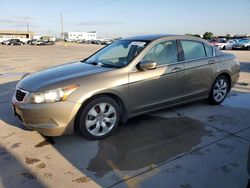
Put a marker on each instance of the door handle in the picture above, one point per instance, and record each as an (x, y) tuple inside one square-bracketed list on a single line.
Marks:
[(211, 62), (176, 69)]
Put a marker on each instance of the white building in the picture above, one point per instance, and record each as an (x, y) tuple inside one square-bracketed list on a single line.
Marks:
[(79, 36)]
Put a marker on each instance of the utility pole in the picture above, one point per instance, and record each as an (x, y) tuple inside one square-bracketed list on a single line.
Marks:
[(62, 37), (28, 29)]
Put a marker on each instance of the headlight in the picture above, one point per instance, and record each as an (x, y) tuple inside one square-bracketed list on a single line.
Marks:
[(54, 95)]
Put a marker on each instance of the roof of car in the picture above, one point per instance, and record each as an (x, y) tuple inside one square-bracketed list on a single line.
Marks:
[(148, 37)]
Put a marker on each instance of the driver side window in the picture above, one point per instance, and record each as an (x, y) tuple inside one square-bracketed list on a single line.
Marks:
[(162, 53)]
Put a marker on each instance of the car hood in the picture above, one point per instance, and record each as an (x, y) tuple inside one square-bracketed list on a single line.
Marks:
[(36, 81)]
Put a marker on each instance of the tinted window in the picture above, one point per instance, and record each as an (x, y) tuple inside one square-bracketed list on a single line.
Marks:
[(163, 53), (209, 50), (193, 50)]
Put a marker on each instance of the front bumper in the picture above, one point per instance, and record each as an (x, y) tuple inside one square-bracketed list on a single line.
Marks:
[(49, 119), (240, 47)]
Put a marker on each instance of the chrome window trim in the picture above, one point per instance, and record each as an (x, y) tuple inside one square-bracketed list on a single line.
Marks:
[(196, 59)]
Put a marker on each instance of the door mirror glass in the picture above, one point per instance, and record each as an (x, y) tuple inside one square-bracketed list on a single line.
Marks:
[(146, 65)]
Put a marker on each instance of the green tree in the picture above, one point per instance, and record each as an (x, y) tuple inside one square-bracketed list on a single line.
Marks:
[(208, 35), (228, 36)]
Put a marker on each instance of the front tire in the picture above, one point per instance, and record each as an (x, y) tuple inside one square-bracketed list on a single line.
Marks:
[(219, 90), (99, 118)]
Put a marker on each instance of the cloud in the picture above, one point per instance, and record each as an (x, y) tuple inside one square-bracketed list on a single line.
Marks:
[(96, 23), (24, 25), (16, 19), (126, 12), (10, 21), (27, 18), (94, 6)]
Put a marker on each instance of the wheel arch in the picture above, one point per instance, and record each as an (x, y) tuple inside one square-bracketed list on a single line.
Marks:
[(227, 75), (229, 79), (122, 107)]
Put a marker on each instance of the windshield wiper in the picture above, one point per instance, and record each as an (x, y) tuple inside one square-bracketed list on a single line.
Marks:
[(100, 63), (110, 65), (84, 60)]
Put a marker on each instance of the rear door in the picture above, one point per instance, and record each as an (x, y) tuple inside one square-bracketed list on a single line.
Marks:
[(198, 71)]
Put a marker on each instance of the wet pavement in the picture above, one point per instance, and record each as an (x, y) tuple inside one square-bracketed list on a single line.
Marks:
[(191, 146)]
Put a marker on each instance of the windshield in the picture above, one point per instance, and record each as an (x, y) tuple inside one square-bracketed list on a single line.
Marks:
[(118, 54), (222, 41), (244, 41)]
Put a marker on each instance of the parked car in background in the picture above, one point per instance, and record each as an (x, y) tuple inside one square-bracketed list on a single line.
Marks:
[(85, 42), (95, 42), (223, 44), (127, 78), (243, 44), (213, 41), (48, 42), (44, 43), (13, 42), (32, 41), (5, 42)]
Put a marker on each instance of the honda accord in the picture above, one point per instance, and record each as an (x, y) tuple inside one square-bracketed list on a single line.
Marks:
[(127, 78)]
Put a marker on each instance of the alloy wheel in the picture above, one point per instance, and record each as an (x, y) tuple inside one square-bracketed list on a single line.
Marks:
[(220, 90), (100, 119)]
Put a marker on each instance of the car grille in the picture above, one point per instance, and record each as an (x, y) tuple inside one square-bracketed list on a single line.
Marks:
[(20, 95)]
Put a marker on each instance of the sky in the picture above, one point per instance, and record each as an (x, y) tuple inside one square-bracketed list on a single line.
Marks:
[(121, 18)]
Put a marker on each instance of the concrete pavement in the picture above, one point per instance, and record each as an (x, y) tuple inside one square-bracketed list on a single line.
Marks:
[(196, 145)]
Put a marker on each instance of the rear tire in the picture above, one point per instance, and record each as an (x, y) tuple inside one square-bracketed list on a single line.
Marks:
[(219, 90), (99, 118)]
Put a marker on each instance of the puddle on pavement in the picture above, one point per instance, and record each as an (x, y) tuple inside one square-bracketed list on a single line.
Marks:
[(145, 141), (12, 74)]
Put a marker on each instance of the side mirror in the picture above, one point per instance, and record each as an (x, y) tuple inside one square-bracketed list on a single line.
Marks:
[(146, 65)]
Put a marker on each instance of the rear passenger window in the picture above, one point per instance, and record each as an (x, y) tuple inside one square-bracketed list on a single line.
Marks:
[(209, 50), (193, 50)]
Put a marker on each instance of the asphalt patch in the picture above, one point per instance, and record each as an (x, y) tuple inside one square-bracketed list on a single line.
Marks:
[(16, 145), (29, 176), (31, 161), (83, 179), (43, 143)]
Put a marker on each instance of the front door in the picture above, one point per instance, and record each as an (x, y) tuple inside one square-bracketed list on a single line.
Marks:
[(152, 89)]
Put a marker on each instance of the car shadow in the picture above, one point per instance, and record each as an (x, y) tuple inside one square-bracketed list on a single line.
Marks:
[(244, 66), (14, 174), (143, 142)]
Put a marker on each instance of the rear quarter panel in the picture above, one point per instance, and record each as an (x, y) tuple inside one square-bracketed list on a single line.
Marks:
[(226, 63)]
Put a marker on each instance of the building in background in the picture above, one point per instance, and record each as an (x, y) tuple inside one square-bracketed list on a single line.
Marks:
[(79, 36), (10, 34)]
